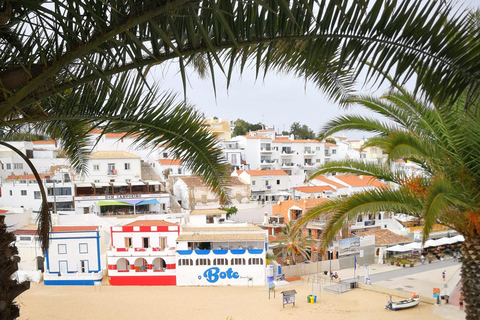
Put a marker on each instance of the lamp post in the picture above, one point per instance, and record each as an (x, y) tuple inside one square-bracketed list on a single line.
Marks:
[(330, 257)]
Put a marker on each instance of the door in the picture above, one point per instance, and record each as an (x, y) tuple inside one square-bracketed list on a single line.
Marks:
[(84, 266), (63, 266)]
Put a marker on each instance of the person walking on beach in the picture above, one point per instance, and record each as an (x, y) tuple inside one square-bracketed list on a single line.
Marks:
[(443, 274), (460, 302)]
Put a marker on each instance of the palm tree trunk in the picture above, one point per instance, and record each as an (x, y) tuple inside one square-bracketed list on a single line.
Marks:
[(471, 276), (9, 288)]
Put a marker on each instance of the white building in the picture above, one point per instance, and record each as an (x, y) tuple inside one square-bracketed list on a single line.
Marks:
[(32, 260), (73, 257), (213, 252), (266, 185)]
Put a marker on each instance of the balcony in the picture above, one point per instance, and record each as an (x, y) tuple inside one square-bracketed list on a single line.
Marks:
[(308, 152), (112, 172), (287, 151), (309, 164), (287, 164), (267, 161), (265, 150)]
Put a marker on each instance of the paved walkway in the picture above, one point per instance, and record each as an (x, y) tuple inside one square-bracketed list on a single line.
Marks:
[(420, 279)]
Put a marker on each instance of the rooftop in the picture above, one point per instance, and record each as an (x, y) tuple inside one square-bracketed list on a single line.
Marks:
[(361, 181), (74, 228), (266, 172), (385, 237), (215, 237), (170, 162), (200, 212), (116, 154), (152, 223), (314, 189)]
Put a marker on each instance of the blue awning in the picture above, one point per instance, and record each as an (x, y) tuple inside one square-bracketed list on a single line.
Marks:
[(151, 201)]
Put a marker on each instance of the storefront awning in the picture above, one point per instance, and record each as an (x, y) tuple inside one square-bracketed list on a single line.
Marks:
[(137, 183), (151, 201), (113, 203), (84, 185), (119, 184), (153, 183), (101, 184)]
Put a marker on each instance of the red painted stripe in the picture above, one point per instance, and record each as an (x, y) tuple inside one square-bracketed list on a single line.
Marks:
[(171, 266), (156, 280)]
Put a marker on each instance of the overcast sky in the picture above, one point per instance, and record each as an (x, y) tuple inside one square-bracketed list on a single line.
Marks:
[(278, 100)]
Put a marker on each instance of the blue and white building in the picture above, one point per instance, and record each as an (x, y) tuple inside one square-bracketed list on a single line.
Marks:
[(73, 257)]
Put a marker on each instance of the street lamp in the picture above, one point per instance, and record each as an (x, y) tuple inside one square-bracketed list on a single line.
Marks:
[(330, 250)]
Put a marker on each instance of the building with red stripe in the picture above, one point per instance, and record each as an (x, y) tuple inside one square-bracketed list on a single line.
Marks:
[(143, 253)]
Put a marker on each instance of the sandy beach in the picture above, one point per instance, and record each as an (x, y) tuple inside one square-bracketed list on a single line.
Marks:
[(238, 303)]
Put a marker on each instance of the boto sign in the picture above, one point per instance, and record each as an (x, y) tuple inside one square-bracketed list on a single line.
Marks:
[(213, 274)]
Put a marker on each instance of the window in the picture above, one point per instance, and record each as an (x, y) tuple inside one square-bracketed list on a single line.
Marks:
[(11, 192), (278, 181), (266, 182), (163, 243), (318, 148), (238, 261), (96, 167), (146, 243), (185, 262), (379, 216), (127, 166), (253, 182), (18, 166), (334, 151), (25, 238), (83, 248), (257, 261), (96, 181), (59, 191), (165, 155), (203, 262), (111, 168), (37, 195), (23, 192), (179, 171), (360, 218), (62, 249), (309, 232), (128, 242), (220, 262), (9, 166)]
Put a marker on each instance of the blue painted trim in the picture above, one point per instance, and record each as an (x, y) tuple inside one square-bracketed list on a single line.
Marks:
[(202, 252), (220, 251), (184, 252), (70, 282), (98, 251), (238, 251), (255, 251), (73, 231), (48, 261), (73, 238)]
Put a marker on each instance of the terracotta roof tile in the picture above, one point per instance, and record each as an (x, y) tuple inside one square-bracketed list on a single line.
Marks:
[(74, 228), (24, 177), (266, 172), (361, 181), (170, 162), (330, 182), (385, 237), (314, 189), (44, 142), (114, 154)]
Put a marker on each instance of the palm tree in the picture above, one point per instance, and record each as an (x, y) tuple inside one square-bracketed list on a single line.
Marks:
[(293, 243), (67, 67), (444, 141)]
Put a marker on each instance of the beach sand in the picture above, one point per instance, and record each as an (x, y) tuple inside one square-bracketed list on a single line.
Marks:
[(238, 303)]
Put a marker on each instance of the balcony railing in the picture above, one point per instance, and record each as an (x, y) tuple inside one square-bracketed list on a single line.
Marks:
[(112, 172), (288, 152), (288, 164)]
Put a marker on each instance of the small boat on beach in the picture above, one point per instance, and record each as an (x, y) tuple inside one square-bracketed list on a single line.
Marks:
[(403, 304)]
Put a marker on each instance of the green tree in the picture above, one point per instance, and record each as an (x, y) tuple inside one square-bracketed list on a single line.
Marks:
[(442, 139), (242, 127), (293, 243), (301, 131), (65, 65)]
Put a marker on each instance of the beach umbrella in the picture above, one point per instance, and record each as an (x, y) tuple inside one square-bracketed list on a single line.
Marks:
[(431, 243), (413, 245)]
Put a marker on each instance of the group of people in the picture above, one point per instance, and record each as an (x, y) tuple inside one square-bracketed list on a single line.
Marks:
[(333, 275)]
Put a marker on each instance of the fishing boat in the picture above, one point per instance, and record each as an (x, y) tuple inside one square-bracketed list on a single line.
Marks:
[(403, 304)]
